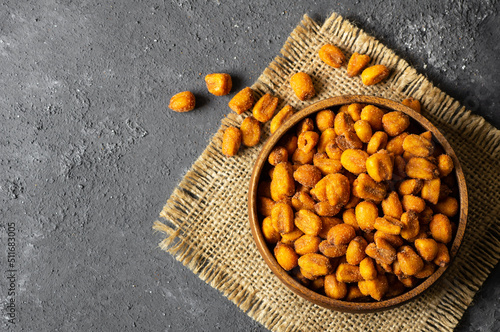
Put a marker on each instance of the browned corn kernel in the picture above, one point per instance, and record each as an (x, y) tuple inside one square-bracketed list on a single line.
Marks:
[(407, 156), (418, 146), (414, 203), (373, 115), (341, 234), (366, 188), (445, 165), (426, 248), (333, 151), (278, 155), (325, 209), (285, 255), (265, 206), (307, 244), (375, 288), (182, 102), (410, 187), (395, 123), (315, 265), (431, 190), (386, 226), (307, 141), (357, 63), (374, 74), (270, 234), (317, 284), (290, 238), (333, 288), (325, 164), (332, 55), (290, 143), (426, 135), (265, 107), (348, 273), (411, 226), (319, 190), (300, 157), (395, 145), (282, 218), (219, 84), (302, 85), (250, 131), (327, 136), (440, 227), (367, 268), (354, 160), (325, 119), (328, 223), (382, 252), (377, 142), (242, 101), (297, 273), (426, 271), (305, 125), (337, 189), (343, 123), (332, 251), (399, 167), (409, 261), (353, 293), (348, 140), (307, 175), (425, 217), (302, 200), (366, 213), (354, 110), (380, 166), (308, 222), (443, 256), (356, 250), (349, 217), (413, 104), (231, 141), (444, 192), (282, 183), (448, 207), (391, 205), (421, 168), (396, 287), (363, 130), (281, 117), (409, 281), (395, 241)]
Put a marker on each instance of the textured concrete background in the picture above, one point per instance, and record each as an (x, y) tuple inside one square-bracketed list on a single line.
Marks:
[(89, 151)]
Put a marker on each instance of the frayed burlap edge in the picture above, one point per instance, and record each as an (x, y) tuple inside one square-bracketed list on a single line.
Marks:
[(439, 107)]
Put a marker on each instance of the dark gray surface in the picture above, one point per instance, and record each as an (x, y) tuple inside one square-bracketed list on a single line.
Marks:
[(89, 152)]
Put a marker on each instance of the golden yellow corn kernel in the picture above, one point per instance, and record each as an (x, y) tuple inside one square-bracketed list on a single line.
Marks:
[(380, 166), (327, 136), (431, 190), (333, 288), (448, 207), (343, 123), (332, 251), (427, 249), (219, 84), (357, 63), (327, 224), (421, 168), (374, 74), (290, 238), (349, 140), (282, 183), (418, 146), (395, 123), (302, 200), (391, 205), (367, 269), (395, 241), (270, 234), (354, 160), (395, 145), (377, 142), (325, 209), (363, 130), (426, 271), (285, 255), (348, 273), (445, 165), (302, 85), (300, 157), (308, 222), (250, 131), (325, 119), (409, 261), (290, 143), (375, 288), (356, 250), (307, 244), (307, 141), (265, 107), (411, 202), (307, 175), (278, 155), (333, 151), (413, 104), (381, 251), (315, 265), (443, 255), (231, 141), (282, 218), (341, 234), (242, 101), (366, 213), (440, 228), (386, 226), (182, 102), (353, 293), (281, 117), (332, 56), (411, 226)]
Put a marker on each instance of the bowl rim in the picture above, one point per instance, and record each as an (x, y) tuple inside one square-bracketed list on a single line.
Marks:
[(290, 282)]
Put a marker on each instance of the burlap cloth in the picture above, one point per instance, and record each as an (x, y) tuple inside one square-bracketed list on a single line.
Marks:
[(205, 221)]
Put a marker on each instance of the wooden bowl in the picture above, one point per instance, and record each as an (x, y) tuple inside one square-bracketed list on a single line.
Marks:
[(295, 286)]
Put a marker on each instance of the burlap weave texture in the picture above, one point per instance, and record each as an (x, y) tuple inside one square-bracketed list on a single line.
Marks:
[(205, 220)]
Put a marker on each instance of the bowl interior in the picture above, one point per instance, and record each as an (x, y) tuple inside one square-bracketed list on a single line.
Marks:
[(309, 294)]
